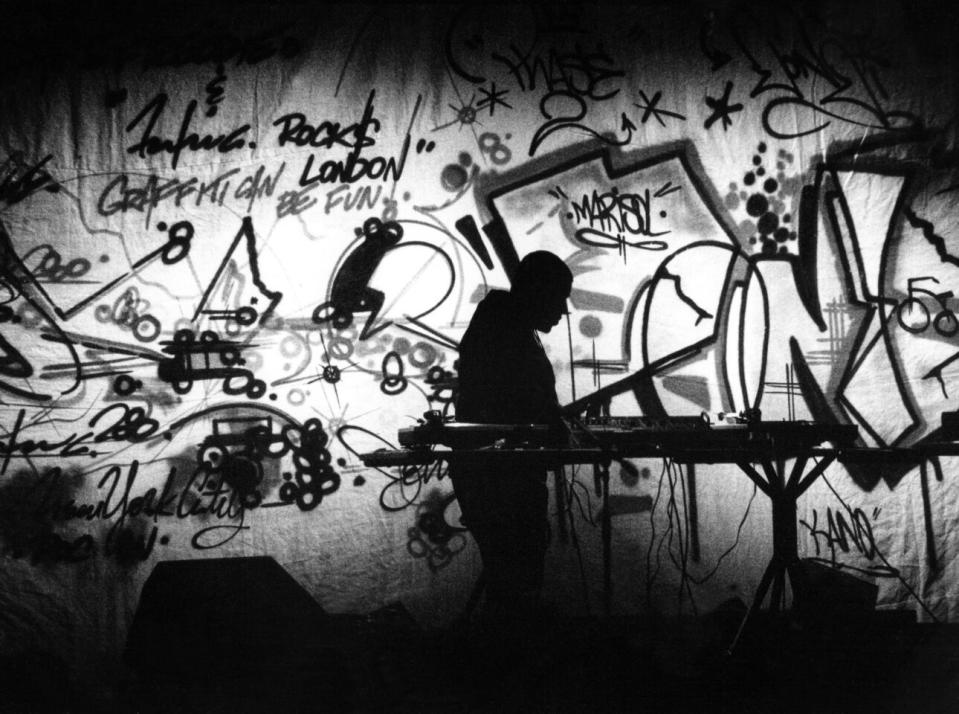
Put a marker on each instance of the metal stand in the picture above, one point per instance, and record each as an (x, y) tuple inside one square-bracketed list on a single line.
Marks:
[(475, 594), (601, 474), (783, 493)]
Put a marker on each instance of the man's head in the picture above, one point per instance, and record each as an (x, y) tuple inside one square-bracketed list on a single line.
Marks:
[(541, 285)]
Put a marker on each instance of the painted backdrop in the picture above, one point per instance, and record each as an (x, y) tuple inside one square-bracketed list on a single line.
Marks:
[(241, 242)]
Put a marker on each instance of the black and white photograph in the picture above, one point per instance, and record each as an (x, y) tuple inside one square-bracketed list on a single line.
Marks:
[(470, 358)]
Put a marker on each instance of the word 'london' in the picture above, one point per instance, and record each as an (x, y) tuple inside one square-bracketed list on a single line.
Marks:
[(295, 130)]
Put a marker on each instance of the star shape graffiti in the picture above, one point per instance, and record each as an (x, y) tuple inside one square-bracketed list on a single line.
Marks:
[(722, 109), (651, 109), (493, 98)]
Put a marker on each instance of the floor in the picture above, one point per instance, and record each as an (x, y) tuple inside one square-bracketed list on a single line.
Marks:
[(873, 665), (382, 663)]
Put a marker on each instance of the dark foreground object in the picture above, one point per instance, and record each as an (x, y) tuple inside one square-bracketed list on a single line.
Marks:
[(382, 662)]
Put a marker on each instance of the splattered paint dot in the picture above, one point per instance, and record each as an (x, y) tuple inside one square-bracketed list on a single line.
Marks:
[(762, 147), (359, 481), (453, 177), (760, 171), (749, 179), (770, 185), (757, 160), (781, 235), (590, 326), (757, 205), (768, 223)]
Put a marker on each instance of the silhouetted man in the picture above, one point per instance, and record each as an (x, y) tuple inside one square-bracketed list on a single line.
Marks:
[(506, 378)]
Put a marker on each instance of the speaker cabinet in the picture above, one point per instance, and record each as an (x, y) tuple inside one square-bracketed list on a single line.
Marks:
[(831, 594), (212, 631)]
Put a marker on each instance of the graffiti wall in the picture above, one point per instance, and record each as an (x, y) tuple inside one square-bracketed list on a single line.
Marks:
[(241, 242)]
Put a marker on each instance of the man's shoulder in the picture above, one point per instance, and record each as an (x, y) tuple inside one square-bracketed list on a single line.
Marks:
[(496, 300), (495, 311)]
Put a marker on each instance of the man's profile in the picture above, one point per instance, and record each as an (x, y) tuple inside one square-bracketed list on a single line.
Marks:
[(506, 378)]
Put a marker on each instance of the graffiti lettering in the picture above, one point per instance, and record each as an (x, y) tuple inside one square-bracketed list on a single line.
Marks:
[(612, 216), (327, 134), (361, 199), (836, 77), (203, 496), (121, 194), (843, 536), (50, 267), (131, 424), (356, 168), (356, 137), (403, 489), (293, 203), (150, 144), (19, 180), (119, 197), (576, 71), (258, 185)]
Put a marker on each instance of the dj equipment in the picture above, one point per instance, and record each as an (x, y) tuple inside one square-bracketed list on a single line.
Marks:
[(683, 438), (749, 443), (466, 435)]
